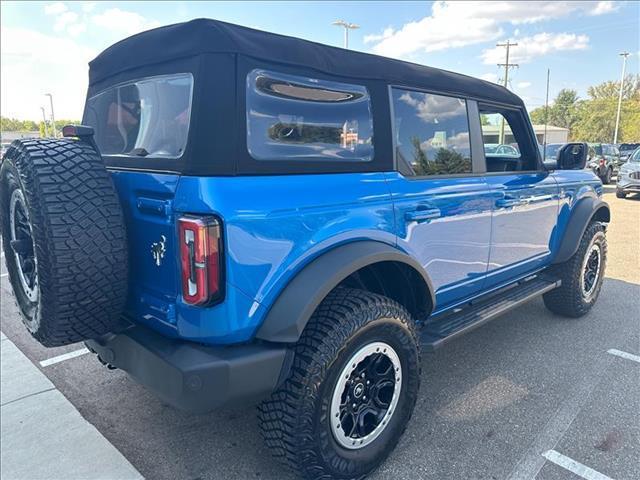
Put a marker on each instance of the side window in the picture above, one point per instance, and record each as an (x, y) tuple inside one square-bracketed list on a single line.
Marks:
[(431, 133), (297, 118), (507, 147)]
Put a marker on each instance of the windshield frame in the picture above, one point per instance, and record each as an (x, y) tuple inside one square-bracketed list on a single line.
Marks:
[(131, 156)]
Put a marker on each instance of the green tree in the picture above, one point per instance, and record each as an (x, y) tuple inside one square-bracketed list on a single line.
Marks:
[(597, 115), (421, 162), (563, 111)]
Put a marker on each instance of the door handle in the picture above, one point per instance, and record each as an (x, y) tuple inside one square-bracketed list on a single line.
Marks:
[(422, 215), (509, 202)]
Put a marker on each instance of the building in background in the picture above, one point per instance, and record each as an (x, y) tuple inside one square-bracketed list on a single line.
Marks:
[(10, 136), (491, 134)]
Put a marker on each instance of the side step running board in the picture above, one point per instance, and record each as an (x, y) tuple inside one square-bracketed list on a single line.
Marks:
[(439, 330)]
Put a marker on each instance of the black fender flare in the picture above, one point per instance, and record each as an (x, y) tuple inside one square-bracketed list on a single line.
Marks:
[(586, 210), (291, 311)]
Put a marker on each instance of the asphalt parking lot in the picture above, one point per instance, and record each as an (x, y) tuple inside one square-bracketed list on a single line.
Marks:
[(491, 403)]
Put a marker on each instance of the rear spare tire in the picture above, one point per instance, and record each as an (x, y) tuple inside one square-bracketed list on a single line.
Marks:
[(64, 238)]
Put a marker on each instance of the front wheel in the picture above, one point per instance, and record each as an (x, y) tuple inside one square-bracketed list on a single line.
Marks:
[(582, 275), (352, 388), (620, 193)]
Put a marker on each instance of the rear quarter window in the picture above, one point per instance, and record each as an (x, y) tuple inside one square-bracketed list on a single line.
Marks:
[(147, 117), (291, 117)]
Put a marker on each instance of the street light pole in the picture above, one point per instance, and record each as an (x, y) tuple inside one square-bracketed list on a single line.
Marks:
[(347, 26), (53, 119), (44, 120), (624, 56), (546, 118)]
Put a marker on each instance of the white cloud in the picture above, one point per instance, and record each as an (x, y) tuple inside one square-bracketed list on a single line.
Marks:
[(490, 77), (458, 24), (123, 21), (432, 108), (538, 45), (603, 7), (64, 20), (76, 29), (55, 8), (523, 85), (386, 33), (88, 7), (25, 56)]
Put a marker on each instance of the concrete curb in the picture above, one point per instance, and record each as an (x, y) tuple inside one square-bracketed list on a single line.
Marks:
[(43, 436)]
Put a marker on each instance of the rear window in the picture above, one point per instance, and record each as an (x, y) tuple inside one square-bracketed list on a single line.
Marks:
[(147, 117), (298, 118), (629, 147)]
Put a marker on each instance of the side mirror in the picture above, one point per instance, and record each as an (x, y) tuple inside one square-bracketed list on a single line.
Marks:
[(573, 156)]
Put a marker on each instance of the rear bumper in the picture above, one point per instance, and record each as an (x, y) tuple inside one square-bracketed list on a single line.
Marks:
[(190, 376)]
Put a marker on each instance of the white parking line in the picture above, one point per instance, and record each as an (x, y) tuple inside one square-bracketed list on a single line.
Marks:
[(63, 357), (532, 462), (4, 275), (621, 354), (573, 466)]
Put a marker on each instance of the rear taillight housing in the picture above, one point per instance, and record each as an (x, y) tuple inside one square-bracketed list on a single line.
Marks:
[(200, 241)]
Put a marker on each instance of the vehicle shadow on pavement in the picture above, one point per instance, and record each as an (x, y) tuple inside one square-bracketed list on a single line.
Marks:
[(483, 400)]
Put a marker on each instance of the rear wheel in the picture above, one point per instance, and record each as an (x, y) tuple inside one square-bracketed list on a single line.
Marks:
[(351, 391), (64, 239), (582, 275)]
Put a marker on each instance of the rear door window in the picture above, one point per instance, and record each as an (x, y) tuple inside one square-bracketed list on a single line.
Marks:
[(147, 117), (291, 117), (431, 133)]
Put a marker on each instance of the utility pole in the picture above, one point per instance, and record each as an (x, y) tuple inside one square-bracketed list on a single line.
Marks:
[(546, 119), (44, 120), (506, 66), (624, 56), (53, 119), (347, 26)]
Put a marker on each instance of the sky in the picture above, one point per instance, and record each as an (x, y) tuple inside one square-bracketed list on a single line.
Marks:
[(45, 46)]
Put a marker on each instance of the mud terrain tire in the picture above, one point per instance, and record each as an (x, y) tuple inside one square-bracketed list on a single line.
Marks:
[(297, 422), (64, 238), (575, 297)]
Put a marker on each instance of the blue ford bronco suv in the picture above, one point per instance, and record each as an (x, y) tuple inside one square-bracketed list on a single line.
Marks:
[(250, 217)]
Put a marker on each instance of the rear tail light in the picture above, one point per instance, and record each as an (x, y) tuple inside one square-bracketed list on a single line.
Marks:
[(201, 259)]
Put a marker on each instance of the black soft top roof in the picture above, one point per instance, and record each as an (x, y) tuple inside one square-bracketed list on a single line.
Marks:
[(201, 36)]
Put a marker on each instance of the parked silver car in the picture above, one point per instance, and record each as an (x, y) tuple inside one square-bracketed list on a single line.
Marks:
[(629, 176)]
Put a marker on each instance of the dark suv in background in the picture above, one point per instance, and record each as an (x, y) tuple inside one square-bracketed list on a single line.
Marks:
[(626, 150), (604, 160)]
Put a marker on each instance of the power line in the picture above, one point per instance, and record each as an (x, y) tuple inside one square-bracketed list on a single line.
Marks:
[(506, 66)]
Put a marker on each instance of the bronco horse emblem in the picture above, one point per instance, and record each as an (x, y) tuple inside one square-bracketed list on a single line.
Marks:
[(158, 250)]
